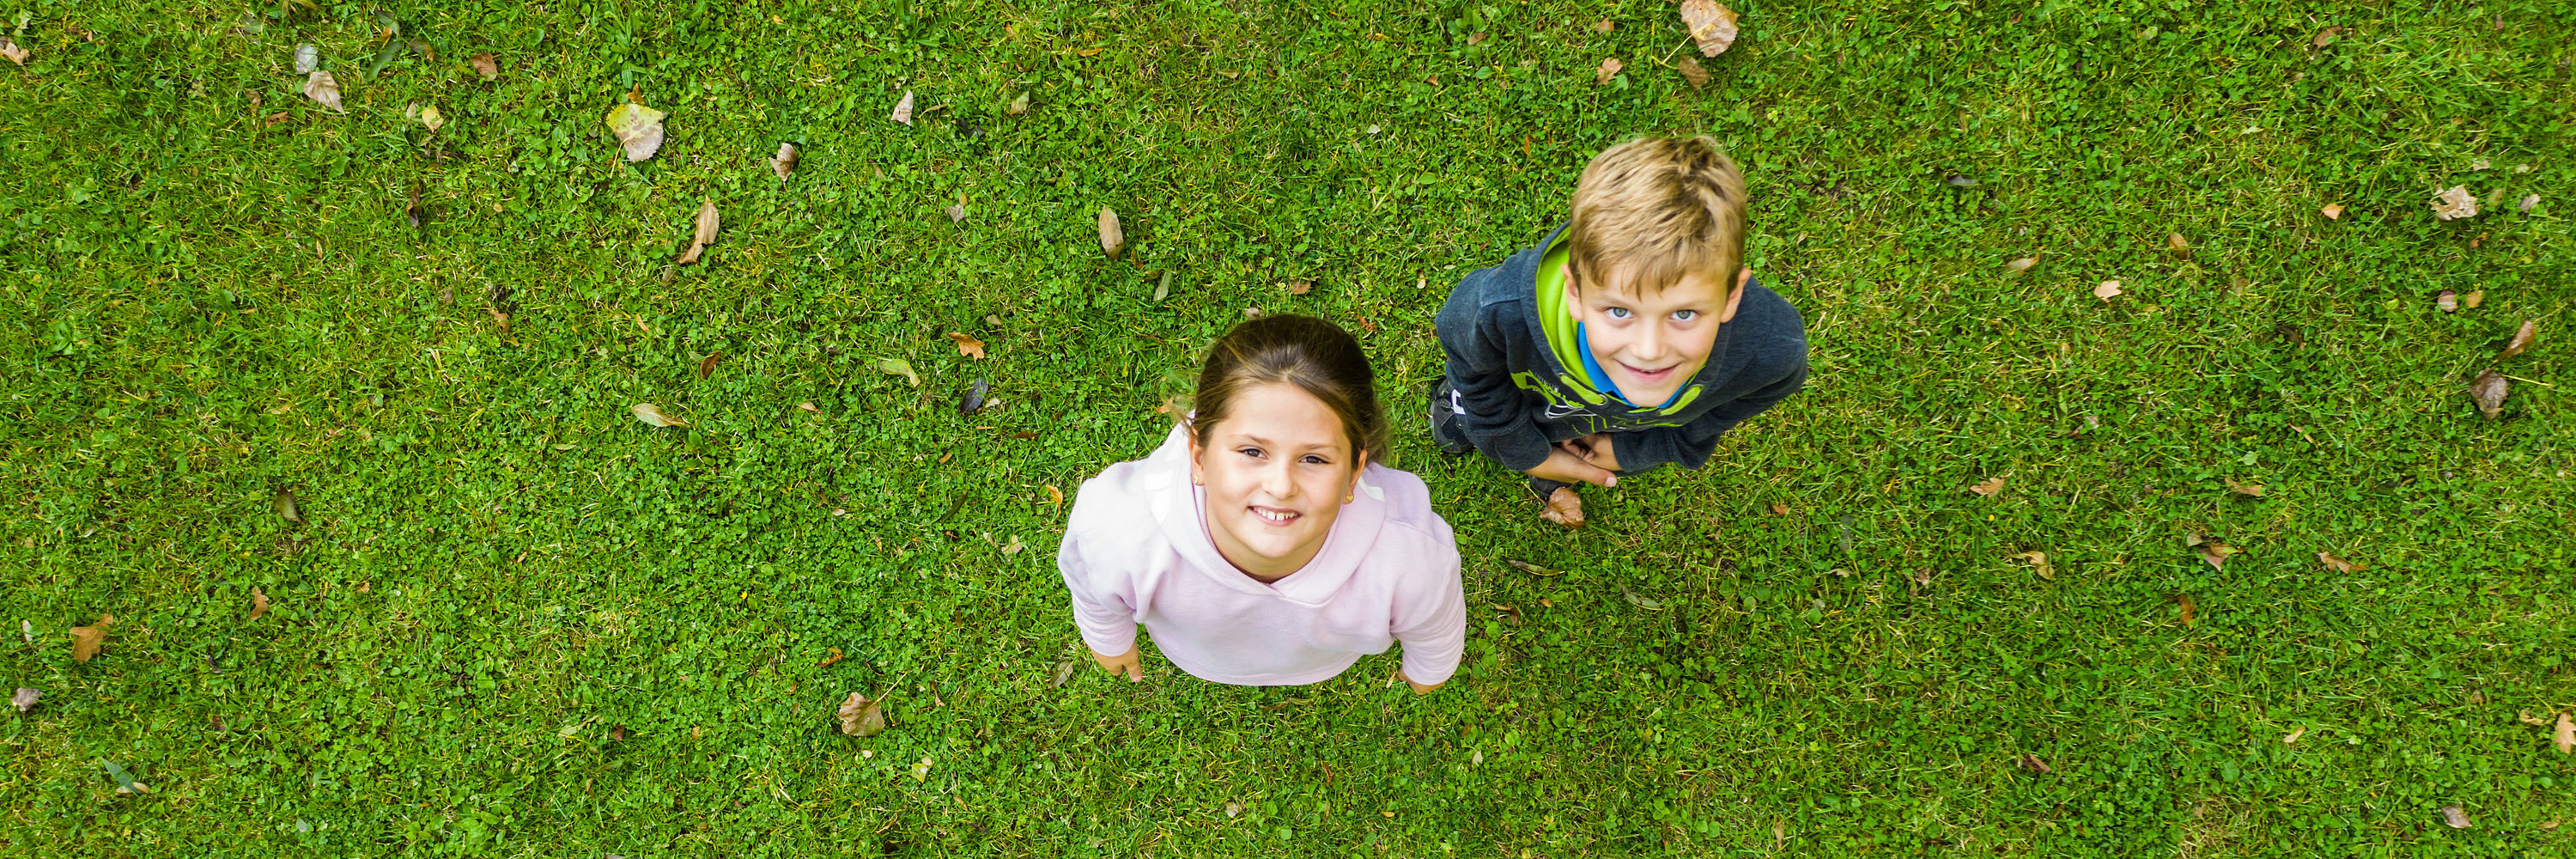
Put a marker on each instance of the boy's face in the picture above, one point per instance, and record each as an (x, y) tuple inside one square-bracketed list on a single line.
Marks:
[(1651, 344)]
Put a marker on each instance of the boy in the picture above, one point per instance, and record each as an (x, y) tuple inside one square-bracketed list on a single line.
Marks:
[(1632, 337)]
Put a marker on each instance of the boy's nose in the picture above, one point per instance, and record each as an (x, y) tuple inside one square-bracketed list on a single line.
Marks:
[(1650, 342)]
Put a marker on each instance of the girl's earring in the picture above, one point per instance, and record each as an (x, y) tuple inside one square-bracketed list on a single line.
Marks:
[(1346, 499)]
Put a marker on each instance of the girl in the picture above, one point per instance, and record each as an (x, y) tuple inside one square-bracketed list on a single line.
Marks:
[(1259, 544)]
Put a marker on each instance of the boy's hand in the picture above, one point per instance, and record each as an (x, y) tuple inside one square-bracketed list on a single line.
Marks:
[(1129, 663), (1565, 465), (1595, 449)]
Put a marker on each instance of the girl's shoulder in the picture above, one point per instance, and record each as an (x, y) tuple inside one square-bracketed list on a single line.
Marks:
[(1407, 502)]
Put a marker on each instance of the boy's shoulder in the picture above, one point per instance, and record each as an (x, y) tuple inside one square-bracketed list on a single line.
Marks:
[(1515, 279)]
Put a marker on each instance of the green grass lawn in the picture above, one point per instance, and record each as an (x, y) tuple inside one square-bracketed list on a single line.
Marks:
[(515, 621)]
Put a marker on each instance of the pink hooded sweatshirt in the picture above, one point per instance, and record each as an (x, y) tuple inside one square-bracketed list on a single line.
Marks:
[(1137, 551)]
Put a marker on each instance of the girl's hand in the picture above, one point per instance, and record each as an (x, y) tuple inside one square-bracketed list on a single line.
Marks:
[(1130, 663), (1418, 688)]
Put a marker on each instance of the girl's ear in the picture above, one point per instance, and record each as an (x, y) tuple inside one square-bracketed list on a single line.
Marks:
[(1359, 466), (1198, 474)]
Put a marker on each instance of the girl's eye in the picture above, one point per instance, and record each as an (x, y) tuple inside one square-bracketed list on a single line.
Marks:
[(1253, 452), (1685, 315), (1312, 459), (1616, 312)]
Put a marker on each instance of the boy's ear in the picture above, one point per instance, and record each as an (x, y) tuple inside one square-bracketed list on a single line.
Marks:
[(1573, 293), (1735, 297)]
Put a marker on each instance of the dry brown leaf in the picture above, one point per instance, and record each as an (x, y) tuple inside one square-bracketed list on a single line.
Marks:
[(324, 89), (9, 48), (1113, 239), (2455, 202), (617, 733), (903, 109), (1063, 673), (1711, 25), (809, 406), (2489, 391), (2448, 301), (706, 234), (258, 604), (957, 212), (1609, 67), (2522, 338), (967, 346), (652, 414), (2529, 202), (1018, 105), (830, 656), (2326, 36), (861, 717), (2021, 265), (638, 130), (25, 699), (1779, 509), (2039, 564), (2564, 735), (784, 162), (2032, 763), (2473, 299), (2216, 554), (485, 65), (1564, 508), (2175, 242), (2294, 735), (1604, 26), (2332, 211), (2337, 564), (2108, 290), (1054, 496), (1013, 547), (707, 365), (1532, 569), (1300, 287), (430, 118), (1989, 487), (86, 639), (2185, 600), (284, 503), (2535, 721), (2454, 817), (1689, 66), (2250, 490)]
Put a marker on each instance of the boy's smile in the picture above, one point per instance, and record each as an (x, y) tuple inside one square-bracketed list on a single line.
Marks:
[(1649, 345)]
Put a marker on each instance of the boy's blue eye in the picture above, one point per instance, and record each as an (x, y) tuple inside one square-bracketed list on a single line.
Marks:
[(1685, 315), (1616, 312)]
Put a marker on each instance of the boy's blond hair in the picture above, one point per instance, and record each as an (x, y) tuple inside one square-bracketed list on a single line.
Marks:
[(1654, 210)]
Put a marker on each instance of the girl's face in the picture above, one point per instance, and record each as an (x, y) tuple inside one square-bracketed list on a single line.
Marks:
[(1276, 471)]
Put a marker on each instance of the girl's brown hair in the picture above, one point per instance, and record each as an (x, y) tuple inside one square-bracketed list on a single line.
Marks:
[(1316, 356)]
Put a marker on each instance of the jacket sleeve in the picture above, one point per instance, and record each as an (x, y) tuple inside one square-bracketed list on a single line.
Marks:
[(1495, 413), (1691, 444), (1105, 611), (1431, 618)]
